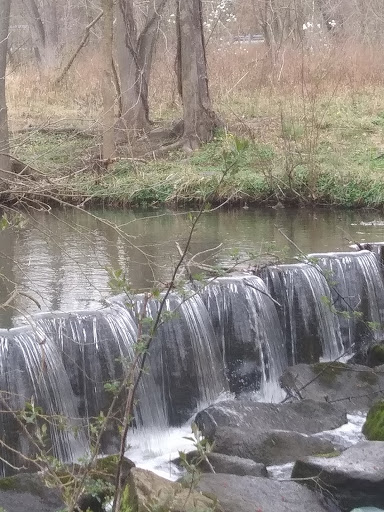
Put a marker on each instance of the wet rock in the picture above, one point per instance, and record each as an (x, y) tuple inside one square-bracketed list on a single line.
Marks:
[(251, 494), (106, 468), (306, 417), (147, 491), (27, 492), (271, 447), (104, 472), (269, 433), (373, 428), (367, 509), (233, 465), (355, 478), (369, 355), (353, 387)]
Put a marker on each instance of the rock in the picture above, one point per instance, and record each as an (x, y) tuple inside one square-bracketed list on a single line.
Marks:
[(354, 387), (106, 468), (251, 494), (355, 478), (147, 491), (27, 492), (376, 355), (104, 472), (229, 464), (373, 428), (306, 416), (270, 447), (369, 355), (367, 509)]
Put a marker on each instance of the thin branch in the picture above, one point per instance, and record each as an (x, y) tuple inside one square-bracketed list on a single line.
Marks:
[(77, 51)]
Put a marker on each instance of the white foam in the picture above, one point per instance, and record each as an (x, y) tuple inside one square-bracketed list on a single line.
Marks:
[(155, 449)]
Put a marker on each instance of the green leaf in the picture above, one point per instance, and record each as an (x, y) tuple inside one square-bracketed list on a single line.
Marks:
[(4, 223)]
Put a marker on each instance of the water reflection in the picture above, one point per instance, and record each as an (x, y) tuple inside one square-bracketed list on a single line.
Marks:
[(60, 258)]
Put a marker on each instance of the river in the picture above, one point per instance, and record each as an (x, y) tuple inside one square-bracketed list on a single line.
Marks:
[(60, 259)]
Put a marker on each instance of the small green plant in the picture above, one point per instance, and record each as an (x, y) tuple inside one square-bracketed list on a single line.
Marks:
[(203, 448), (291, 130)]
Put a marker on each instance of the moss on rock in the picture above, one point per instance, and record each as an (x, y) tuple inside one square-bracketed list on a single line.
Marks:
[(376, 355), (329, 455), (328, 372), (368, 377), (8, 484), (373, 428)]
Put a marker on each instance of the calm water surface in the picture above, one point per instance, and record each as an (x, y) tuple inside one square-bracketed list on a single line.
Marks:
[(60, 259)]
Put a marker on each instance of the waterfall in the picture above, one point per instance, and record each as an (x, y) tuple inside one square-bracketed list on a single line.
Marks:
[(310, 327), (184, 360), (63, 360), (246, 322), (234, 334), (357, 290), (377, 248), (32, 371)]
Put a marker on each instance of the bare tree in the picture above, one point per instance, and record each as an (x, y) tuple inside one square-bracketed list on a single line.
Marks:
[(108, 121), (5, 7), (134, 58), (198, 116), (45, 31)]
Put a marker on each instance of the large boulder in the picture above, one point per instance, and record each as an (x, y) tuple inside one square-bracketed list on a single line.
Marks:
[(355, 478), (270, 447), (269, 433), (369, 355), (251, 494), (306, 417), (28, 492), (147, 491), (36, 492), (353, 387)]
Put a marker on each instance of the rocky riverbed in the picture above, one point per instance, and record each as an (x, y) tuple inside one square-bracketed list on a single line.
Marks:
[(312, 431)]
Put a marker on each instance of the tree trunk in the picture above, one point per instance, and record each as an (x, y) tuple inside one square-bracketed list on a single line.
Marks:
[(108, 149), (37, 29), (5, 164), (148, 37), (134, 59), (199, 119), (45, 32), (51, 34)]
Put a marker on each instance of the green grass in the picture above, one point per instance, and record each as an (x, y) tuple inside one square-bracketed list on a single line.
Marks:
[(328, 156)]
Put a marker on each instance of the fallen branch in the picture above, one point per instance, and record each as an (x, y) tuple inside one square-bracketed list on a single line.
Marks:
[(247, 283), (81, 45)]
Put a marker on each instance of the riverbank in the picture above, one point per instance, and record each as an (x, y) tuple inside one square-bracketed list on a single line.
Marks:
[(344, 176), (315, 132)]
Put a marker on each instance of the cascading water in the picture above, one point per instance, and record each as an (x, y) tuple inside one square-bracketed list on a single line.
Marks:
[(376, 248), (32, 371), (184, 360), (236, 334), (357, 289), (310, 327), (63, 361), (246, 322)]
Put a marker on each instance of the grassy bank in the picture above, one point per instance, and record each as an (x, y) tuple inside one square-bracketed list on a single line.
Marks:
[(315, 132), (341, 165)]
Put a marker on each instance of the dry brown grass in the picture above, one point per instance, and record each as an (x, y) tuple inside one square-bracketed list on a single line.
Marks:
[(244, 86)]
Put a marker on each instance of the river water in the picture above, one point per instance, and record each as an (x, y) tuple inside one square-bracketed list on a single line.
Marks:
[(60, 259)]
